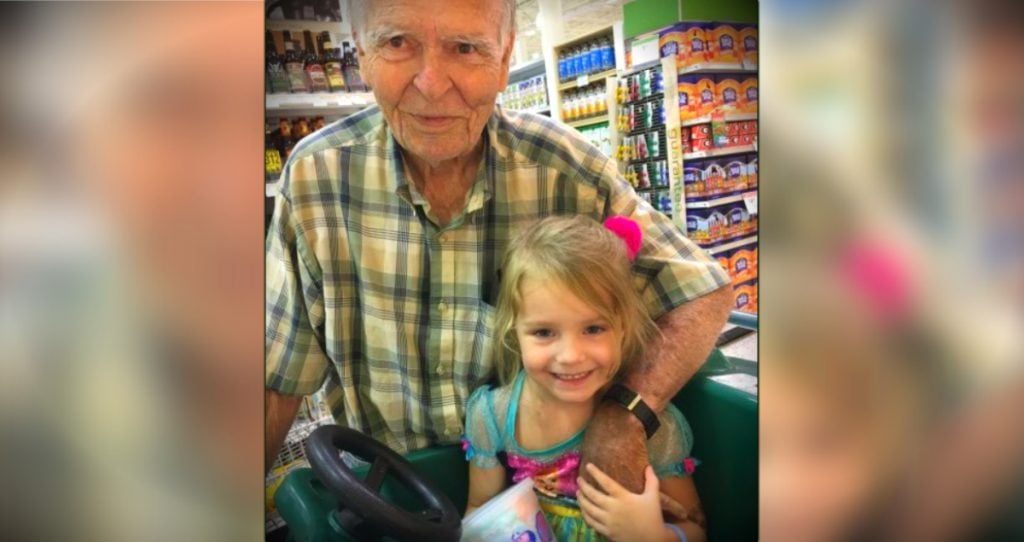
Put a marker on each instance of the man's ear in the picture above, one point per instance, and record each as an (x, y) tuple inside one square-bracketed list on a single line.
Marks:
[(506, 57)]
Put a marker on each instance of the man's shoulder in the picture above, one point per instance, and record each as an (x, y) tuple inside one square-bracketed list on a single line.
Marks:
[(362, 129), (525, 138)]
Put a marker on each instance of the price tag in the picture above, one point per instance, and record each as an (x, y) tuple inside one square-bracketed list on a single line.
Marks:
[(750, 200), (582, 81)]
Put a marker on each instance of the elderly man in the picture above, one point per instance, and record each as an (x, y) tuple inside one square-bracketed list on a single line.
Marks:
[(383, 255)]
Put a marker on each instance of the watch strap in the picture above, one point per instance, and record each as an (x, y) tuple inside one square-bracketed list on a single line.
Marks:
[(633, 402)]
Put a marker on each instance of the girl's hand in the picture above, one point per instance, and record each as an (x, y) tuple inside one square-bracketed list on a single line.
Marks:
[(618, 514)]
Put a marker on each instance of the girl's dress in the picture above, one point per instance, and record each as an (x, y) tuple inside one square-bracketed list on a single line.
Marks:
[(490, 441)]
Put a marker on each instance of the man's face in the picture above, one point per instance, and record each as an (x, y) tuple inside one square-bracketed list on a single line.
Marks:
[(436, 69)]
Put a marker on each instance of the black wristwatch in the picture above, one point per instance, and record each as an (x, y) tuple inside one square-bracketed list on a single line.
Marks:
[(631, 401)]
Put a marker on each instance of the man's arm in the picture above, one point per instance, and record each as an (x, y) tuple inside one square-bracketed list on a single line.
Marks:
[(615, 439), (279, 413)]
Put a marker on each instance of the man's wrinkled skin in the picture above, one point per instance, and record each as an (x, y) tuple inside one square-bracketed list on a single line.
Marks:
[(615, 439)]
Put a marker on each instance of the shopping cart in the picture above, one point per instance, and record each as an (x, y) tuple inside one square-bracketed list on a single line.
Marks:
[(720, 402)]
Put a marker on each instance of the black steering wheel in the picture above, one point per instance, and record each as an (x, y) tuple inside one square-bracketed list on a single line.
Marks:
[(364, 512)]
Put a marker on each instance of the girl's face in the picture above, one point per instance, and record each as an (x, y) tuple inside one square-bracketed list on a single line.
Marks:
[(568, 349)]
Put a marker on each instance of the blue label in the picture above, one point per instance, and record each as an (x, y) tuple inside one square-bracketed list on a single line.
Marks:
[(736, 216), (729, 95), (750, 43), (707, 96), (561, 69), (725, 43), (691, 223), (690, 175), (577, 65), (669, 49), (742, 300), (607, 57), (734, 170), (684, 98), (741, 265), (752, 94), (585, 62), (595, 59)]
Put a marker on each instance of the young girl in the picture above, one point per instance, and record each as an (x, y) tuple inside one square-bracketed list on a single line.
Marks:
[(568, 317)]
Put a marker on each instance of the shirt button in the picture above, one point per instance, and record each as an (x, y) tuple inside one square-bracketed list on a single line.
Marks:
[(442, 306), (443, 237), (442, 371)]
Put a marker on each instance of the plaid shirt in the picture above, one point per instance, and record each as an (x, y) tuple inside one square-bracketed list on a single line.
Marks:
[(366, 293)]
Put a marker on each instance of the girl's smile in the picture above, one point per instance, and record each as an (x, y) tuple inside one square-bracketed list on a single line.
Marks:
[(569, 350)]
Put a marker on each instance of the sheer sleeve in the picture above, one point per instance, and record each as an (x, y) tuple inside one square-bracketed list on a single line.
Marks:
[(669, 448), (482, 441)]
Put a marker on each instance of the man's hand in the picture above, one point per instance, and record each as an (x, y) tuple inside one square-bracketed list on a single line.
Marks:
[(618, 513), (615, 442)]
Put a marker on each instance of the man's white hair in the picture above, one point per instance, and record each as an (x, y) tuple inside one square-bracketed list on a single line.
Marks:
[(359, 9)]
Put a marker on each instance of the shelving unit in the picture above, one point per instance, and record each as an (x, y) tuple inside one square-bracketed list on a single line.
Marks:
[(718, 249), (585, 80), (724, 151), (707, 204), (589, 121)]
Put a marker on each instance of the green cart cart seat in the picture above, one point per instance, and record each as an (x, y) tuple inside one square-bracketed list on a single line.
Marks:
[(724, 422)]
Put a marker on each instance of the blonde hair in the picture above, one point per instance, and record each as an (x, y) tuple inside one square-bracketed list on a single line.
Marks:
[(590, 261)]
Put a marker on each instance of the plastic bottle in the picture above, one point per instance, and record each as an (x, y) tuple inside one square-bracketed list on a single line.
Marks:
[(595, 57), (577, 63), (585, 59), (607, 54), (562, 72)]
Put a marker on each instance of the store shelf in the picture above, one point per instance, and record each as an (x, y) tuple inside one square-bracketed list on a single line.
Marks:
[(732, 244), (717, 201), (729, 117), (718, 68), (321, 103), (538, 110), (589, 121), (300, 25), (725, 151), (585, 80)]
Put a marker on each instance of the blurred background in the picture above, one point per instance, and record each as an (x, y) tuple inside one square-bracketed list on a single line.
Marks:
[(893, 264), (892, 270)]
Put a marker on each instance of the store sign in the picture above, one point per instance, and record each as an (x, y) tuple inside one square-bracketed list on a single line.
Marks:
[(645, 50)]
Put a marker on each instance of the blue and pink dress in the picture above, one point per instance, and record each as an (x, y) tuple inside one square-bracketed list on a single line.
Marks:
[(490, 441)]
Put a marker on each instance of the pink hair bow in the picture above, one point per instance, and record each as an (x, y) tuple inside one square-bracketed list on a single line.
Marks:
[(627, 230)]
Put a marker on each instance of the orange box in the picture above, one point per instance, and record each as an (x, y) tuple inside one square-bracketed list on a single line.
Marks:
[(748, 127), (734, 141), (744, 296), (724, 45), (696, 45), (707, 96), (727, 95), (748, 95), (748, 45), (687, 88), (700, 131), (746, 139), (672, 42), (732, 128), (742, 265)]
